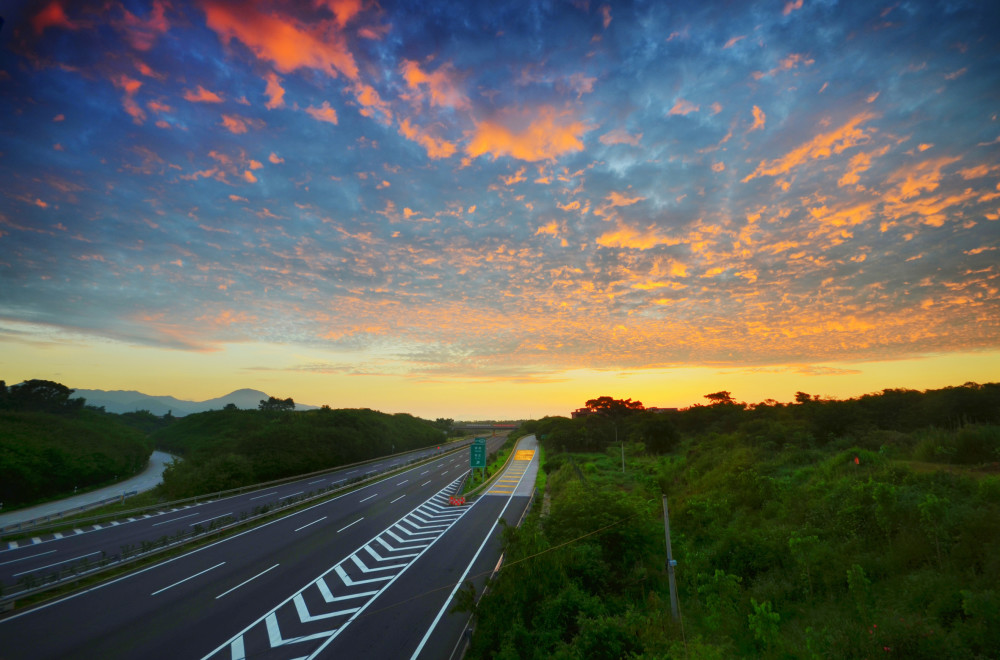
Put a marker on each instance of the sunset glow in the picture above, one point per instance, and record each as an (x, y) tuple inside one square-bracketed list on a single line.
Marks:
[(497, 210)]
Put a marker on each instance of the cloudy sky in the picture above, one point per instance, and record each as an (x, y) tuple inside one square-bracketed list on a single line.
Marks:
[(500, 209)]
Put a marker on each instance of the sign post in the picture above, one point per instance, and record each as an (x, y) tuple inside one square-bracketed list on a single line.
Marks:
[(477, 455)]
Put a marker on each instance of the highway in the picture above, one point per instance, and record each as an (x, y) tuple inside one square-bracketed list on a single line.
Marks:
[(40, 556), (323, 581)]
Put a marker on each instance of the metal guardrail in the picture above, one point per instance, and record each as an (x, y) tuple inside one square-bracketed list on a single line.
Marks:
[(118, 562), (53, 522)]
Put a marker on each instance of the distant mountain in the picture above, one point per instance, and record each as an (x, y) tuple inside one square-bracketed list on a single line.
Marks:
[(122, 401)]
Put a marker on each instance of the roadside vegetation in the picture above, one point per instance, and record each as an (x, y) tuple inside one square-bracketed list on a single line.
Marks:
[(225, 449), (819, 529), (52, 444)]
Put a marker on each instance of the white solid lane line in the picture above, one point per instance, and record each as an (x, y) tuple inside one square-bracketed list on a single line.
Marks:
[(312, 523), (167, 522), (187, 578), (245, 581), (28, 557), (42, 568)]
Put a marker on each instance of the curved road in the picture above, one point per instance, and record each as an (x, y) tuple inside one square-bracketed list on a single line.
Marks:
[(146, 480)]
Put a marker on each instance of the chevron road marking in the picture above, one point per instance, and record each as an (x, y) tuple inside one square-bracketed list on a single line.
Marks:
[(324, 607)]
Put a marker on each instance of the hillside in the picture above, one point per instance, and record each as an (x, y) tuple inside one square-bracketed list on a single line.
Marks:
[(229, 448), (125, 401), (822, 529), (44, 455)]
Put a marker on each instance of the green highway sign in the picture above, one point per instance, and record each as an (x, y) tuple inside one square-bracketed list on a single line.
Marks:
[(477, 455)]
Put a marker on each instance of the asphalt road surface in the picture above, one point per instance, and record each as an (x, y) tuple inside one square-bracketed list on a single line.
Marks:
[(43, 555), (347, 576)]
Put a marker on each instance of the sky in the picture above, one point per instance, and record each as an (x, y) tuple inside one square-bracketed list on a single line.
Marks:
[(500, 210)]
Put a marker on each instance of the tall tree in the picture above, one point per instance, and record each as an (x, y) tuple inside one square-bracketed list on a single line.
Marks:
[(612, 407)]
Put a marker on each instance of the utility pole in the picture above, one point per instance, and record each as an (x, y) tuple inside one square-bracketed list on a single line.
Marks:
[(670, 561), (623, 446)]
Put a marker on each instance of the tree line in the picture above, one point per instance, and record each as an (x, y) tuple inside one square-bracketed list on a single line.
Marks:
[(817, 529)]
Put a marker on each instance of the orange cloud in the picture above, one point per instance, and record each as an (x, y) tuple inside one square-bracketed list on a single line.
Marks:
[(718, 167), (239, 125), (923, 177), (620, 136), (791, 6), (130, 86), (52, 16), (542, 135), (605, 16), (441, 85), (758, 119), (283, 41), (636, 239), (274, 91), (620, 199), (156, 106), (142, 34), (274, 158), (201, 95), (436, 148), (733, 41), (820, 147), (786, 64), (323, 113), (343, 10), (249, 176), (62, 117), (516, 177), (255, 164), (858, 164), (978, 171), (683, 107), (371, 103), (550, 229)]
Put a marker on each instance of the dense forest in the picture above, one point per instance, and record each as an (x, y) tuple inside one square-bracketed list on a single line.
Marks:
[(225, 449), (819, 529), (51, 444)]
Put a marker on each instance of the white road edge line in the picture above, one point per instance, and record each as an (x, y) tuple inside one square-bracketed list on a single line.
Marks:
[(187, 578), (461, 580), (245, 581), (353, 523), (312, 523)]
